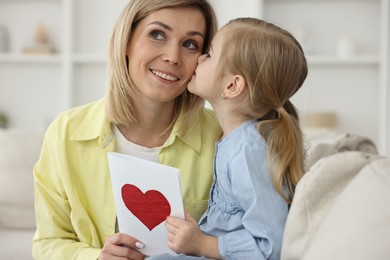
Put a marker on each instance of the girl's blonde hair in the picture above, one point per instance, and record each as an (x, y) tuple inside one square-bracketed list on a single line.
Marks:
[(121, 90), (274, 66)]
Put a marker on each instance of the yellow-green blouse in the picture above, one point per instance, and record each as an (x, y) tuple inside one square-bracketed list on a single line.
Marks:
[(74, 204)]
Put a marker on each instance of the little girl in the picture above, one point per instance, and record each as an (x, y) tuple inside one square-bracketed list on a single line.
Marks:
[(252, 70)]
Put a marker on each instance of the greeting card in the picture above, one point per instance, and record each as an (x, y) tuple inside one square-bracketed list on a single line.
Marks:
[(145, 194)]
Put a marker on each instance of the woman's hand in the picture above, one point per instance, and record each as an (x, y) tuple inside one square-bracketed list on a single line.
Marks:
[(121, 246)]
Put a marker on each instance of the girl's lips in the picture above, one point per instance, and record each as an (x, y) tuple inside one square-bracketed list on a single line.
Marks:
[(164, 75)]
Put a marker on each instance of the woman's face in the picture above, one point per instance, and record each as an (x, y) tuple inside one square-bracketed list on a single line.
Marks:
[(163, 52), (204, 80)]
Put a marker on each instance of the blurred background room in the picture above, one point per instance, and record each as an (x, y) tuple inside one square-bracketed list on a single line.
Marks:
[(53, 54)]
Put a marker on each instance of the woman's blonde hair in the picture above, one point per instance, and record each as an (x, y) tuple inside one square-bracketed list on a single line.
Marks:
[(274, 66), (121, 90)]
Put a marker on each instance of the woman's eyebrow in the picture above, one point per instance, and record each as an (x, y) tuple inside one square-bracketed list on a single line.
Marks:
[(167, 27)]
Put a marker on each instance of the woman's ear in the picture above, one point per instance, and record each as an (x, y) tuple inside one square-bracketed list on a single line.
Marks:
[(236, 87)]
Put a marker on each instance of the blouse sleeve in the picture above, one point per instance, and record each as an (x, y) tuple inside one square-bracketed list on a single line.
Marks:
[(55, 237)]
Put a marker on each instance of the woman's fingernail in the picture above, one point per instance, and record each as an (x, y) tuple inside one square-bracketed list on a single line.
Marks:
[(139, 245)]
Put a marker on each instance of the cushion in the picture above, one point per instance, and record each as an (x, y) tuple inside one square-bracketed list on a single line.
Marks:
[(19, 150), (358, 224), (325, 143), (314, 196)]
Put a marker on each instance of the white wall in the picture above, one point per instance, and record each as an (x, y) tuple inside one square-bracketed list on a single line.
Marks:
[(230, 9)]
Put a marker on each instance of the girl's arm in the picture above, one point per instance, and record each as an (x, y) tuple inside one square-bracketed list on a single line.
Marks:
[(186, 237)]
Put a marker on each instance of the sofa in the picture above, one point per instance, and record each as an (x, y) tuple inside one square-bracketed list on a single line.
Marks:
[(19, 150), (341, 209)]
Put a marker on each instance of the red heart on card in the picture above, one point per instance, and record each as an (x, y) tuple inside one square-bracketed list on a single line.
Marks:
[(151, 208)]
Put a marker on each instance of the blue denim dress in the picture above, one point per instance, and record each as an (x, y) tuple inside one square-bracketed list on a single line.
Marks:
[(245, 212)]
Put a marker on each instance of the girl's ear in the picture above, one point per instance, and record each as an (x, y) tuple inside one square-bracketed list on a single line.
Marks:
[(236, 88)]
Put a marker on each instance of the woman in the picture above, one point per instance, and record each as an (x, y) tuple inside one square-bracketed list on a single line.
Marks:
[(147, 112)]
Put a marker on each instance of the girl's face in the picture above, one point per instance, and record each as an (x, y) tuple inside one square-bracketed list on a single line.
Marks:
[(203, 82), (163, 52)]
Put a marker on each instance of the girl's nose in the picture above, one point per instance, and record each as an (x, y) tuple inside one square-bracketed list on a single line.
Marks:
[(202, 58)]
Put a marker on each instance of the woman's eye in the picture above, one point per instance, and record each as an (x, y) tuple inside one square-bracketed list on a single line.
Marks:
[(157, 35), (191, 45)]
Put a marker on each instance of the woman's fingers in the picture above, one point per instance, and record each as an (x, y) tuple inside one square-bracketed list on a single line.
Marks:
[(121, 246)]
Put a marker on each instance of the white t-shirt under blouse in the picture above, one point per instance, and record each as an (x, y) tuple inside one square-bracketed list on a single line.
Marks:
[(126, 147)]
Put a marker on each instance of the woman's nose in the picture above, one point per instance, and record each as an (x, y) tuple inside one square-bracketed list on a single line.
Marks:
[(172, 55)]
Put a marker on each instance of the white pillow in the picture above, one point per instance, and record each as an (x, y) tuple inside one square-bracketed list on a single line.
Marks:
[(19, 151), (358, 224), (314, 196)]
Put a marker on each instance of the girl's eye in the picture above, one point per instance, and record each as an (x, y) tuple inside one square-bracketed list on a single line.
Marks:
[(191, 45), (157, 35)]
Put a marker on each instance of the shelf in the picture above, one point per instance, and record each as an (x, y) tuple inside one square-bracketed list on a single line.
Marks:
[(303, 1), (89, 58), (101, 59), (336, 60), (30, 58), (50, 59), (30, 1)]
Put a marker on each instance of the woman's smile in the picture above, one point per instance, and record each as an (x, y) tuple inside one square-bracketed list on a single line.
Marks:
[(165, 76)]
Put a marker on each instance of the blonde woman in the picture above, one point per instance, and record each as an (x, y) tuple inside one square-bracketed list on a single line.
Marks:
[(147, 112), (252, 70)]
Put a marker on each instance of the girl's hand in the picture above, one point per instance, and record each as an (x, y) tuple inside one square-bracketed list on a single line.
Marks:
[(184, 235), (121, 246)]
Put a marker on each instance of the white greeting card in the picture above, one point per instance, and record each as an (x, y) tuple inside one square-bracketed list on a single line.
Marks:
[(145, 194)]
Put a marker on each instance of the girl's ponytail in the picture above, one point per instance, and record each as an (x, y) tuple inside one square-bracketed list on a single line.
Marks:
[(285, 149)]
